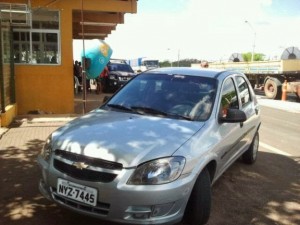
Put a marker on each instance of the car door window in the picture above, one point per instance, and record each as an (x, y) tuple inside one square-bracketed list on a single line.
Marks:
[(243, 89), (229, 98)]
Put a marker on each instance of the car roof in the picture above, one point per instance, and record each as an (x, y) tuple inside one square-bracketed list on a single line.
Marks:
[(205, 72)]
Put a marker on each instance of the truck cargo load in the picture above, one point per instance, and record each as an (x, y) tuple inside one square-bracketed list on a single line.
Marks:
[(268, 76)]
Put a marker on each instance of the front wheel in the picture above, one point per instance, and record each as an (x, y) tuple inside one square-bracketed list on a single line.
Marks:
[(198, 207), (250, 155)]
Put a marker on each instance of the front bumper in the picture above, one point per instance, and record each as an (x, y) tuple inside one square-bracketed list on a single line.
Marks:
[(119, 82), (119, 202)]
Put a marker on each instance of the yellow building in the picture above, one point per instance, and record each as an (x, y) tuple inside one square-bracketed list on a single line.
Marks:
[(37, 62)]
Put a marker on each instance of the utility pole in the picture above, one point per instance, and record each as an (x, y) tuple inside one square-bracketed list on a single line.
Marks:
[(178, 56), (254, 32)]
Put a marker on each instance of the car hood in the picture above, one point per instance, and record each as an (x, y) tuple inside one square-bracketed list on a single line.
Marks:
[(125, 138)]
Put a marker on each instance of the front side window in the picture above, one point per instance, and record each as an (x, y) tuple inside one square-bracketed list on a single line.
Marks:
[(229, 99), (39, 44)]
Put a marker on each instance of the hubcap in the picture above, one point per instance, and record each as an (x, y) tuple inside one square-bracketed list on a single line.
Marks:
[(271, 88)]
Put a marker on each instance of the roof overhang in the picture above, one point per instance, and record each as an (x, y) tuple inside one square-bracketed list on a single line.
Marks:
[(91, 23), (95, 24)]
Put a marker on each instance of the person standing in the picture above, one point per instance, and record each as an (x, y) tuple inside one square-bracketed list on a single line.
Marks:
[(87, 80), (101, 79)]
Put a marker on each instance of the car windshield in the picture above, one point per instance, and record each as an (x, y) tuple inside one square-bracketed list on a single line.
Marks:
[(120, 67), (175, 96)]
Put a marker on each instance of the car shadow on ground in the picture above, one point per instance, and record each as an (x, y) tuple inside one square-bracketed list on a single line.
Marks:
[(267, 192)]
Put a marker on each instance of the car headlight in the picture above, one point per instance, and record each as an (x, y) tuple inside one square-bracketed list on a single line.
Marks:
[(47, 148), (159, 171)]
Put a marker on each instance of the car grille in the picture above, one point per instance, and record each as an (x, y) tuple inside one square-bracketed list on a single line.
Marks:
[(85, 173), (89, 160), (101, 208)]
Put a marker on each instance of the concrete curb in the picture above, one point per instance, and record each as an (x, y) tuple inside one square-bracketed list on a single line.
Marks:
[(3, 130), (293, 107), (44, 118)]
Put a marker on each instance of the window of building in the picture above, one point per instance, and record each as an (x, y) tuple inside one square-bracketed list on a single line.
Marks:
[(39, 44)]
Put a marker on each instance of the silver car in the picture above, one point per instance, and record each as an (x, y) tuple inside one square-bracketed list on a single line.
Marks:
[(150, 153)]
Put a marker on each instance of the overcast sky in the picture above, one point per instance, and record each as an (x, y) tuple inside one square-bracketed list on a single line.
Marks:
[(206, 29)]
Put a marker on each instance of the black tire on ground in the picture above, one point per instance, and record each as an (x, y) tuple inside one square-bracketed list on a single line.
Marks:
[(249, 157), (198, 208), (272, 89)]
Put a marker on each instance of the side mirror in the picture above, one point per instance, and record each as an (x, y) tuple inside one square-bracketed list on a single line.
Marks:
[(233, 116)]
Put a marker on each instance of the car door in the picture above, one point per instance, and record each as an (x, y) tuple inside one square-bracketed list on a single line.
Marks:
[(230, 134), (248, 104)]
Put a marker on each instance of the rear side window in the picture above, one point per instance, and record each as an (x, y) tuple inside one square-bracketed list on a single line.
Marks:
[(243, 89)]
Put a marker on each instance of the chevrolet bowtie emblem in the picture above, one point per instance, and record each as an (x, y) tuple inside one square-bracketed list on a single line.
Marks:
[(80, 165)]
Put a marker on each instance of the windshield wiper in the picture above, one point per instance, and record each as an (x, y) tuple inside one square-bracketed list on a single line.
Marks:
[(181, 117), (147, 110), (150, 110), (122, 107), (143, 109)]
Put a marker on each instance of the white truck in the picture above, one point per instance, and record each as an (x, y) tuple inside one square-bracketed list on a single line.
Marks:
[(268, 76), (143, 63)]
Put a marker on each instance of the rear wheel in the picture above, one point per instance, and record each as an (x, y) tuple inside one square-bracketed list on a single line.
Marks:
[(272, 90), (198, 208), (250, 155)]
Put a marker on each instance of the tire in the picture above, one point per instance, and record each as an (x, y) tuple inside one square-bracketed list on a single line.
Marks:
[(198, 207), (249, 157), (272, 89)]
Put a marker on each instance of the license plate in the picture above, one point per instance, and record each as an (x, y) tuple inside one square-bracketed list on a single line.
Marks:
[(77, 192)]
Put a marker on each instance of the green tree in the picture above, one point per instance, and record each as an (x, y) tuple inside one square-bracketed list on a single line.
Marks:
[(165, 63), (257, 56), (182, 63)]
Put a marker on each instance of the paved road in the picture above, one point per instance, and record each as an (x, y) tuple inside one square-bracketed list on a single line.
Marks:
[(280, 131)]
